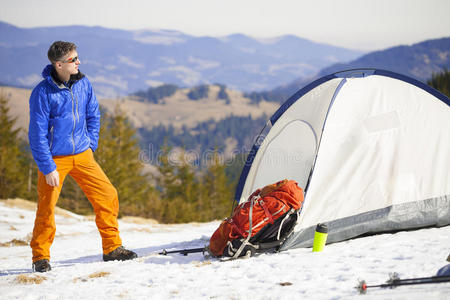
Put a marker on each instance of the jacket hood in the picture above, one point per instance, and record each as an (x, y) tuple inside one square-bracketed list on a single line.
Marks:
[(47, 71)]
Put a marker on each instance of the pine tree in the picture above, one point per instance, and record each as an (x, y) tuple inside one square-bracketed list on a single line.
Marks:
[(166, 179), (186, 179), (186, 197), (118, 155), (179, 188), (234, 168), (73, 198), (32, 173), (14, 168), (441, 82), (217, 191)]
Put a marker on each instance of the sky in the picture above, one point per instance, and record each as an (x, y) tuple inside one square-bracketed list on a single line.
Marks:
[(356, 24)]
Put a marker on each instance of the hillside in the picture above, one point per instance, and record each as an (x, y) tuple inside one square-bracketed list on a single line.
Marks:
[(18, 105), (177, 110), (202, 124), (120, 62)]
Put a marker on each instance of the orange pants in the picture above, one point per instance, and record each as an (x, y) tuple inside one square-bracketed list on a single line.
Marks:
[(97, 188)]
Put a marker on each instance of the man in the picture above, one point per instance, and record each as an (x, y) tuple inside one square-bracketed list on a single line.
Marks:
[(63, 134)]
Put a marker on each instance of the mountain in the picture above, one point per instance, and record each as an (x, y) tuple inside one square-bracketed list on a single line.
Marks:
[(419, 61), (120, 62), (198, 117)]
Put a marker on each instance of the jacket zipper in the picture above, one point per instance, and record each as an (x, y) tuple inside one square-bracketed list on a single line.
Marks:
[(77, 108), (74, 121), (51, 138)]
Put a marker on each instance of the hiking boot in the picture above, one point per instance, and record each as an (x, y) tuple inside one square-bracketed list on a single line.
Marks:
[(119, 254), (41, 265)]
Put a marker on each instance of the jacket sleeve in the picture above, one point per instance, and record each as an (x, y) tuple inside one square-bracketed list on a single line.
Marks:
[(92, 118), (38, 130)]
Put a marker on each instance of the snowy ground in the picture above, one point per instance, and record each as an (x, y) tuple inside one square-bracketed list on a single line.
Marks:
[(79, 272)]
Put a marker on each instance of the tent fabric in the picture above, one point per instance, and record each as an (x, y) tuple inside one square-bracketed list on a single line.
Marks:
[(249, 162), (289, 149), (371, 149), (413, 215)]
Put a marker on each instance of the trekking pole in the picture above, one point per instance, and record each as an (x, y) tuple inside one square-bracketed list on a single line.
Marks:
[(185, 252), (395, 281)]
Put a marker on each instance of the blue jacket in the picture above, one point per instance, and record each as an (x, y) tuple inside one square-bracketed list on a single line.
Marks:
[(63, 120)]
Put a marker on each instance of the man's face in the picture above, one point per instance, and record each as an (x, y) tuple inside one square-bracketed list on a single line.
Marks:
[(70, 63)]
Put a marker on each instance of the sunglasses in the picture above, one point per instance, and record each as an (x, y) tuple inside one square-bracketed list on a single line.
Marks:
[(70, 60)]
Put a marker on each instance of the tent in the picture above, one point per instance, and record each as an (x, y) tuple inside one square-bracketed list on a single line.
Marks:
[(370, 148)]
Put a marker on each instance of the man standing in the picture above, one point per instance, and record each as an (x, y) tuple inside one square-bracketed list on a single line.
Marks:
[(63, 134)]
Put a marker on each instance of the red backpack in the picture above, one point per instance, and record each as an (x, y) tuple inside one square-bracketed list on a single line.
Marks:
[(261, 223)]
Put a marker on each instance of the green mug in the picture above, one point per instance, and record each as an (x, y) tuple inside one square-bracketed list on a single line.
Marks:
[(320, 237)]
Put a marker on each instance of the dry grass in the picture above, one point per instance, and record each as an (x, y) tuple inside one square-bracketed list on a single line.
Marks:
[(75, 280), (93, 275), (29, 279), (20, 203), (203, 263), (139, 230), (30, 205), (139, 220), (14, 242), (99, 274)]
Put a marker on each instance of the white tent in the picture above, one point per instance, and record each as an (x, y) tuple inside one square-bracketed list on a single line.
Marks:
[(370, 148)]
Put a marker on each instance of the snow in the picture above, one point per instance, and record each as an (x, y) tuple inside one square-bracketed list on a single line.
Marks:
[(79, 272)]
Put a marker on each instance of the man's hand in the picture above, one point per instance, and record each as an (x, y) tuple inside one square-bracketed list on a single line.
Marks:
[(52, 178)]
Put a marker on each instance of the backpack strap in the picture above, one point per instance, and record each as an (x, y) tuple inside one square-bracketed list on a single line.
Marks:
[(281, 237), (291, 211), (266, 211), (236, 228), (250, 216)]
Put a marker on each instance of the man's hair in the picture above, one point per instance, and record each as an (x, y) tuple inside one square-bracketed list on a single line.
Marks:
[(59, 49)]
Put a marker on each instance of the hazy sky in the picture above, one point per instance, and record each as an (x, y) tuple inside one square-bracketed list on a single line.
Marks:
[(357, 24)]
